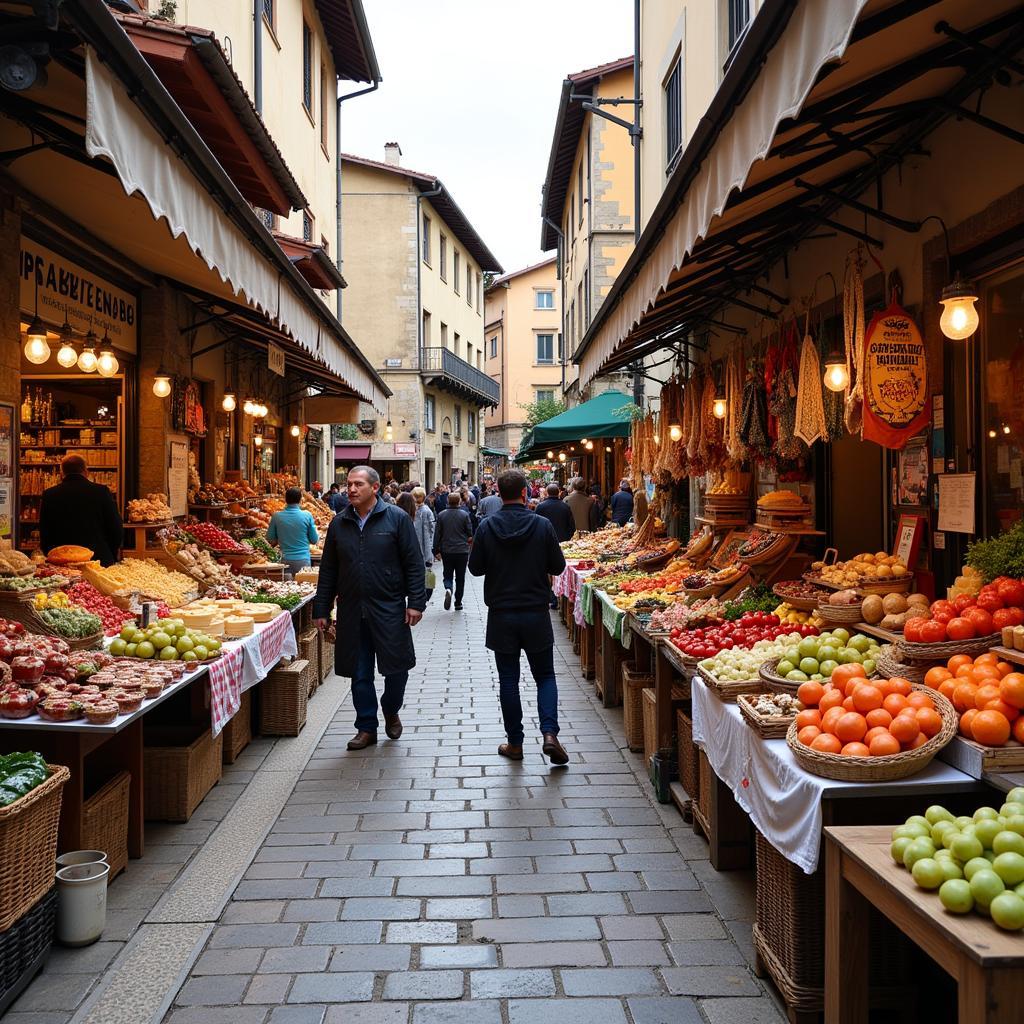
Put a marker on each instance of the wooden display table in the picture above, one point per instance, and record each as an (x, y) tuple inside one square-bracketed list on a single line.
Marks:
[(988, 964), (145, 543)]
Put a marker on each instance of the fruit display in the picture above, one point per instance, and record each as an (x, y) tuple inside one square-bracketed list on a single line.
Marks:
[(796, 616), (862, 569), (262, 548), (801, 590), (755, 598), (762, 545), (969, 582), (782, 501), (51, 599), (153, 508), (740, 664), (146, 576), (256, 519), (600, 546), (988, 695), (816, 658), (973, 863), (212, 537), (747, 631), (855, 716), (892, 611), (165, 640), (22, 583), (681, 616), (998, 605), (73, 623), (86, 596), (285, 595), (199, 563)]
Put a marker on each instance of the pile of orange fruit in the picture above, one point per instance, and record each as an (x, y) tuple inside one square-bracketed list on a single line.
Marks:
[(860, 717), (988, 694)]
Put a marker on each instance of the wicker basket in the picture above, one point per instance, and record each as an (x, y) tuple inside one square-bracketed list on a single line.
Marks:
[(326, 657), (25, 946), (772, 553), (803, 604), (105, 822), (706, 779), (946, 650), (776, 683), (689, 761), (899, 585), (890, 666), (181, 764), (774, 727), (878, 769), (25, 613), (839, 614), (728, 692), (28, 846), (284, 695), (650, 725), (309, 651), (633, 683), (238, 732)]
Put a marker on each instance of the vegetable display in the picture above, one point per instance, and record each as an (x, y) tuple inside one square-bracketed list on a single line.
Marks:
[(745, 632), (20, 774), (71, 622), (1001, 556), (86, 596), (165, 640), (213, 537)]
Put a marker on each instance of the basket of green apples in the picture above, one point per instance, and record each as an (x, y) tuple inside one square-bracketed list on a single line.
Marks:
[(817, 657), (165, 640)]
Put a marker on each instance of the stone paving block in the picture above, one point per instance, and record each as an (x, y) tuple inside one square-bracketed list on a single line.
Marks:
[(389, 851), (669, 881), (661, 844), (368, 1013), (614, 881), (693, 926), (332, 988), (476, 1012), (294, 960), (436, 835), (578, 816), (665, 1010), (456, 909), (322, 909), (464, 957), (392, 957), (617, 981), (424, 985), (586, 904), (222, 990), (520, 906), (633, 816), (651, 862), (539, 883), (243, 935), (537, 929), (449, 885), (638, 953), (357, 886), (466, 850), (228, 961), (502, 866), (55, 992), (419, 868), (741, 1011), (575, 862), (253, 912), (282, 869), (297, 1015), (553, 954), (457, 819), (211, 1015), (709, 981), (705, 953), (390, 822), (360, 909), (417, 932), (531, 848), (338, 932), (631, 927), (669, 902), (500, 984), (84, 959), (268, 989), (566, 1011), (598, 846)]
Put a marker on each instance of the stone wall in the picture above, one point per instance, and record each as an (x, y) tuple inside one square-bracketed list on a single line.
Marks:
[(10, 350)]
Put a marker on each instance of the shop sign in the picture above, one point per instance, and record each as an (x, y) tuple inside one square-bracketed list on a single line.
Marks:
[(895, 379), (275, 359), (67, 289), (405, 450)]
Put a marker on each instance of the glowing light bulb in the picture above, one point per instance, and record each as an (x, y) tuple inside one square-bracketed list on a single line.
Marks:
[(248, 407), (589, 446), (551, 455), (1006, 428), (107, 364), (992, 433), (67, 356), (295, 431), (162, 385), (583, 440), (719, 409), (229, 402), (657, 440), (561, 456), (675, 432), (837, 377), (258, 440), (959, 318), (37, 349), (87, 363)]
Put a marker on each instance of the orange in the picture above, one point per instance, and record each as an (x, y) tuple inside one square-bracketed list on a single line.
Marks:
[(894, 703), (810, 693), (1008, 711), (957, 660), (883, 745), (878, 730), (829, 719), (966, 720), (807, 734), (920, 699), (1018, 730), (809, 716), (905, 727), (1011, 689), (930, 721), (855, 750), (934, 676), (900, 685), (964, 671), (986, 693), (1005, 668), (918, 741), (867, 698), (844, 673), (963, 696), (826, 744), (831, 699), (848, 704), (948, 687), (851, 727), (878, 716), (988, 658), (990, 728), (981, 674)]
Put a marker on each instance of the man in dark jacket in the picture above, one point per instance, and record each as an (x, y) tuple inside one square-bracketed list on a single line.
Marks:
[(622, 504), (337, 498), (453, 536), (559, 515), (77, 511), (517, 553), (372, 567)]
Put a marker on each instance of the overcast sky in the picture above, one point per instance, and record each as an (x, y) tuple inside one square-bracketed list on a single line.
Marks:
[(470, 92)]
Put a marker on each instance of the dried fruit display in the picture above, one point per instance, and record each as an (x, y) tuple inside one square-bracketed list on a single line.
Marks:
[(153, 508)]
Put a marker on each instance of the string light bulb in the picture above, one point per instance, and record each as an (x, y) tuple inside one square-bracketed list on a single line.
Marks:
[(257, 440), (991, 432), (107, 364), (589, 446), (959, 318), (87, 358), (583, 440), (551, 455), (675, 432), (561, 456), (1006, 428), (719, 406), (37, 348), (262, 411), (67, 355), (249, 407), (837, 376), (229, 402), (162, 383)]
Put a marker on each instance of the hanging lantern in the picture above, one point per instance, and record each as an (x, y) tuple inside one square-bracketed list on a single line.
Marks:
[(837, 376), (248, 407), (561, 456), (719, 406), (87, 359), (67, 355), (258, 440), (37, 348), (551, 455), (162, 383), (589, 445), (959, 318), (229, 402)]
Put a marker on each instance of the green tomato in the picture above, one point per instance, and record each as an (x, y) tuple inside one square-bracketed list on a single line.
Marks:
[(808, 665), (169, 653), (899, 848), (827, 667), (869, 665), (1010, 868), (963, 821), (986, 885), (130, 650), (965, 847), (1007, 911), (808, 647), (842, 635), (910, 831), (937, 813), (1008, 841), (939, 830), (859, 643), (138, 636), (1015, 823), (127, 633), (956, 896), (1016, 795), (920, 819), (792, 654), (784, 667), (985, 832), (117, 647), (144, 650), (918, 849), (796, 676), (974, 865), (826, 652), (983, 813), (160, 639), (1019, 889), (928, 873), (950, 868), (850, 656), (948, 837)]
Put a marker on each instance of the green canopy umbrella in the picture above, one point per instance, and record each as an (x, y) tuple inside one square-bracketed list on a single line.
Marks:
[(607, 415)]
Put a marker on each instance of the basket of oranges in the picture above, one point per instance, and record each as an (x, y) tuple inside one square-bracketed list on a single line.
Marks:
[(856, 729)]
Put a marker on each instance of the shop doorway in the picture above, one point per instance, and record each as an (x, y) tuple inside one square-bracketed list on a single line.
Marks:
[(857, 495), (446, 463), (429, 475)]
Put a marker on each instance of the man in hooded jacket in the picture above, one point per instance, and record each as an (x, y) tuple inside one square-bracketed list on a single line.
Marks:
[(517, 553)]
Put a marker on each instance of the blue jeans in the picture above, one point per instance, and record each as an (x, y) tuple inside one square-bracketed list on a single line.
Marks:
[(542, 665), (455, 570), (364, 693)]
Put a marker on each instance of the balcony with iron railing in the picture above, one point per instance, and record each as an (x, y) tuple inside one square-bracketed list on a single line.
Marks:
[(443, 369)]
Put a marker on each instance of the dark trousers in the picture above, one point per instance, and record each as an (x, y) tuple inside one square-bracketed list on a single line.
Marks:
[(542, 666), (364, 692), (455, 567)]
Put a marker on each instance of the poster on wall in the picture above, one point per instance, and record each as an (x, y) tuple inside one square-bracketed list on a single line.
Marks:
[(956, 503), (177, 477), (895, 379), (912, 474)]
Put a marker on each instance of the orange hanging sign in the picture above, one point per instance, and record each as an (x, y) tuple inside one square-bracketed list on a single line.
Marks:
[(895, 379)]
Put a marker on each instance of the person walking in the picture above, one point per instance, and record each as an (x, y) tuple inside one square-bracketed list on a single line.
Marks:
[(517, 553), (424, 523), (491, 502), (439, 499), (553, 509), (622, 504), (77, 511), (453, 537), (372, 569), (294, 530), (337, 498), (582, 506)]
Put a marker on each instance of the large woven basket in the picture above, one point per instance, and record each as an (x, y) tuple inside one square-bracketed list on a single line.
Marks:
[(729, 691), (689, 760), (105, 822), (900, 585), (633, 684), (878, 769), (28, 846), (889, 666), (284, 696), (25, 613), (803, 604), (326, 657), (839, 614), (945, 651), (238, 732), (25, 946), (180, 767), (772, 727), (771, 553)]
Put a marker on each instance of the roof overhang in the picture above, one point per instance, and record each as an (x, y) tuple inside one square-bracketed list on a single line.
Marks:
[(195, 71), (313, 262), (348, 36), (820, 101)]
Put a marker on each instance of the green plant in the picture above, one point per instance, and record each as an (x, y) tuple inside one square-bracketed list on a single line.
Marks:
[(538, 412), (346, 431), (168, 9), (999, 556)]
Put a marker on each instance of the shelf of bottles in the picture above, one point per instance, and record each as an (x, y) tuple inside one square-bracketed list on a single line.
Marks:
[(52, 424)]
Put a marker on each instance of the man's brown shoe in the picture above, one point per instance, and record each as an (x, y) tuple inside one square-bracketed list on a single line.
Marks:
[(392, 726), (362, 740), (554, 750), (511, 751)]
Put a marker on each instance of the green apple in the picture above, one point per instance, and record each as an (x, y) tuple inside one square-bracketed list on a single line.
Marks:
[(928, 873), (200, 652), (950, 868), (911, 831), (1015, 823), (160, 640), (986, 885), (169, 653), (899, 848), (184, 644), (117, 647), (1008, 841), (1016, 795), (919, 819), (937, 813), (1007, 911), (144, 650), (1010, 868), (859, 643), (130, 650), (983, 813), (783, 667), (939, 830), (956, 896), (842, 635), (127, 633)]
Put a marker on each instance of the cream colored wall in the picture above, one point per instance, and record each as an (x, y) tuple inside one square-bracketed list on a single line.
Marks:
[(297, 134)]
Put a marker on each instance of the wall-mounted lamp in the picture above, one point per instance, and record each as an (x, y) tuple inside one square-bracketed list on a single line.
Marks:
[(161, 383), (229, 402), (959, 318)]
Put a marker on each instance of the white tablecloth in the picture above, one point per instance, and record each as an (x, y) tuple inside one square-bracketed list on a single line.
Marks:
[(782, 800)]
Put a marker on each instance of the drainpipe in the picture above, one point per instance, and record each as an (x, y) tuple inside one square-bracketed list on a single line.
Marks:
[(257, 55), (435, 191), (560, 264), (635, 134), (337, 173)]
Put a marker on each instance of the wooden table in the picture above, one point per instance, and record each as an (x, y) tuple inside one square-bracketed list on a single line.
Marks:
[(987, 963)]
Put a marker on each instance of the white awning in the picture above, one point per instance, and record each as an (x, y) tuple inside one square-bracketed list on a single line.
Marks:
[(147, 165), (817, 33)]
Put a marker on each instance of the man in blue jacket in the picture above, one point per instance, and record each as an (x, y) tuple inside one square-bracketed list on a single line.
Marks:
[(294, 530), (372, 567), (517, 553)]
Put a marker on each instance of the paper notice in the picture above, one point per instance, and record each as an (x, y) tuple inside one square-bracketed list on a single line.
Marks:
[(956, 502)]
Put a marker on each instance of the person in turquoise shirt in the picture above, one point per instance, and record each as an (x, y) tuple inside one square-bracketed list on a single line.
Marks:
[(293, 528)]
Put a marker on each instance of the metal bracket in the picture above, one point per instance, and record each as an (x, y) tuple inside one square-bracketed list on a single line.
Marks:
[(202, 323), (944, 28), (986, 122), (592, 105), (910, 226), (604, 101), (216, 344)]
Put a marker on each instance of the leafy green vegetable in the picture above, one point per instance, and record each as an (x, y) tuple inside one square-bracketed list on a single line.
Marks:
[(71, 622), (19, 774), (288, 602), (756, 598), (1000, 556), (262, 546)]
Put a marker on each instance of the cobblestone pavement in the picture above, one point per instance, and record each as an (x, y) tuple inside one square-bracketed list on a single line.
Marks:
[(430, 881)]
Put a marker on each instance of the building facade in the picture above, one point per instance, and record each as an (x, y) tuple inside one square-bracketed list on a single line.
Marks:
[(522, 313), (414, 266)]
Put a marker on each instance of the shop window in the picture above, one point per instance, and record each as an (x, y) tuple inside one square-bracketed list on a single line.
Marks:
[(429, 414), (307, 68)]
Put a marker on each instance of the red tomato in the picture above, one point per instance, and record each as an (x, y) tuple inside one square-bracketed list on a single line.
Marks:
[(933, 632), (1003, 617), (960, 629), (991, 602), (944, 616), (1012, 593), (981, 619), (962, 603), (942, 606), (912, 630)]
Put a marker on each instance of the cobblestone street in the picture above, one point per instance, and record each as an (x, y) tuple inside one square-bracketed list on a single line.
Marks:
[(428, 880)]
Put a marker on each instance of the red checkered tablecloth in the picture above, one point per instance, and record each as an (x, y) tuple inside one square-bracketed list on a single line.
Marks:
[(225, 676)]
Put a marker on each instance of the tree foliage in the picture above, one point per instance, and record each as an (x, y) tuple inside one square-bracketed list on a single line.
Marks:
[(538, 412)]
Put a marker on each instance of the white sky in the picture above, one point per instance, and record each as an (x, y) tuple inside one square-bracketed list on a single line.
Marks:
[(470, 91)]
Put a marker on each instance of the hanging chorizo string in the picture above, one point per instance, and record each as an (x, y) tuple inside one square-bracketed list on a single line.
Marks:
[(735, 449), (695, 389), (853, 338)]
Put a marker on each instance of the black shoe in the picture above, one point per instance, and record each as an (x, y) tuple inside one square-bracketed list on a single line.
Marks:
[(458, 607), (447, 600)]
